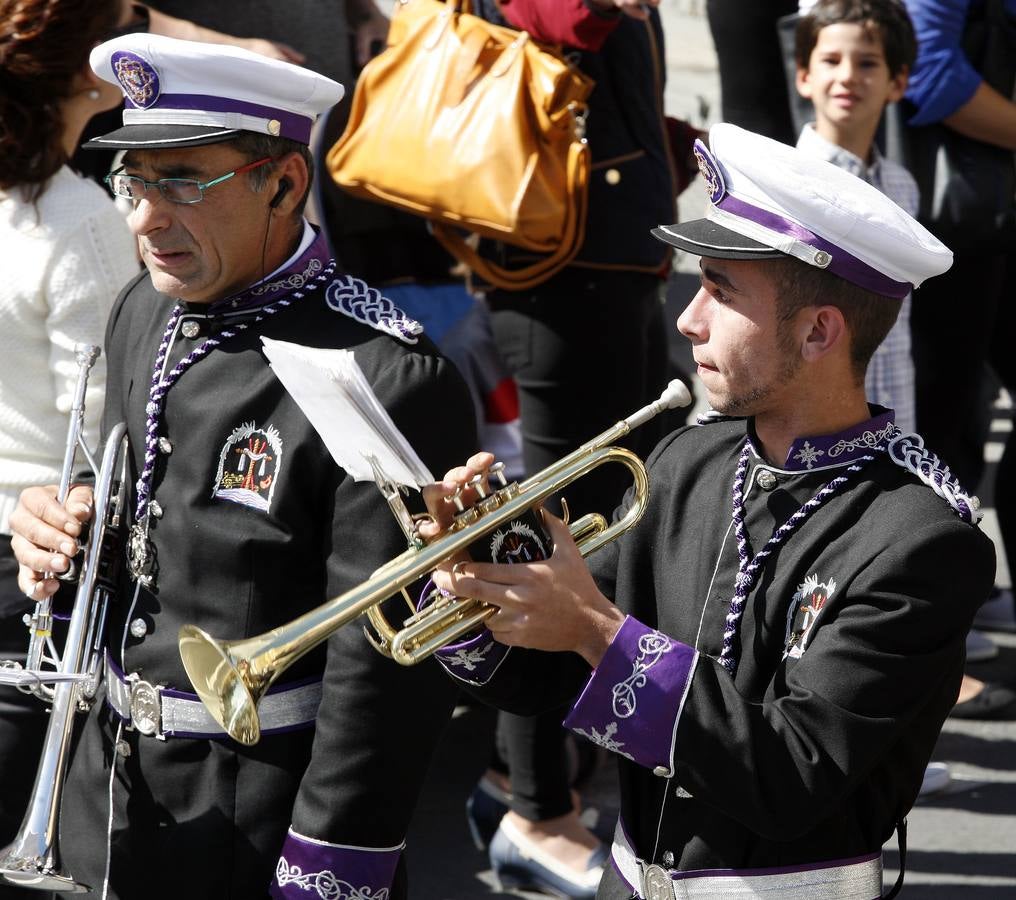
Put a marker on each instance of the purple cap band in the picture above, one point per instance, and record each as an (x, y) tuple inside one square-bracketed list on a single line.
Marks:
[(291, 125), (843, 264)]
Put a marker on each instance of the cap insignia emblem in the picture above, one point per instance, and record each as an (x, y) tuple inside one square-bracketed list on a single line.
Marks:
[(137, 77), (711, 174)]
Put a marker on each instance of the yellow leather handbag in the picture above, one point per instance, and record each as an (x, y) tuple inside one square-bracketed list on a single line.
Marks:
[(476, 128)]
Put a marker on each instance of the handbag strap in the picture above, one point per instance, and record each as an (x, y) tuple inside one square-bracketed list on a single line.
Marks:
[(532, 275)]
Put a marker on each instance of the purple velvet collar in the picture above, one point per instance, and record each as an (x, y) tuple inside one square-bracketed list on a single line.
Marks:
[(292, 277), (847, 446)]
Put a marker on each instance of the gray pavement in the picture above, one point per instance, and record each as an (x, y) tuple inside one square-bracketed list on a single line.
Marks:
[(962, 841)]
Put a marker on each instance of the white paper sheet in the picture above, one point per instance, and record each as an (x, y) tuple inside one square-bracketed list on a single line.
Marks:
[(334, 394)]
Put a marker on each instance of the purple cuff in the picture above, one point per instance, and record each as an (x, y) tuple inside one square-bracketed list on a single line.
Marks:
[(632, 702), (474, 661), (309, 869)]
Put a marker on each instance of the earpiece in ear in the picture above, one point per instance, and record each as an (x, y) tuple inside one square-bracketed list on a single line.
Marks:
[(280, 193)]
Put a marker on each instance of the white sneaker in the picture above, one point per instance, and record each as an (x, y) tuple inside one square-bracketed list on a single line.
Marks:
[(997, 613), (936, 778), (980, 647)]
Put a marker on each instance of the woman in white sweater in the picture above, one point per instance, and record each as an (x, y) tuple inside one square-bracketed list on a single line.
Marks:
[(65, 253)]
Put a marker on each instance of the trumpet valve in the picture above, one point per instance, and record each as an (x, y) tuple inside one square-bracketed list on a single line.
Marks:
[(467, 517), (497, 471), (478, 484)]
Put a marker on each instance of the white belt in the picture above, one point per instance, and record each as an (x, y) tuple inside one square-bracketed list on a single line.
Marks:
[(166, 712), (854, 879)]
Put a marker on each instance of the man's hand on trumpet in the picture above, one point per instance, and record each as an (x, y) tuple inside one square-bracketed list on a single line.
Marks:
[(552, 604), (45, 535)]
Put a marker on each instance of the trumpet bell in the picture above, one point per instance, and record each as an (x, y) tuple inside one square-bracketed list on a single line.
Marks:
[(217, 679)]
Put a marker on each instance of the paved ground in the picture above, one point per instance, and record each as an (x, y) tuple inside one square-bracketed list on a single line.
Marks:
[(962, 842)]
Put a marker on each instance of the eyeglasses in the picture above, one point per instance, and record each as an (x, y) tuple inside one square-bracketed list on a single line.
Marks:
[(176, 190)]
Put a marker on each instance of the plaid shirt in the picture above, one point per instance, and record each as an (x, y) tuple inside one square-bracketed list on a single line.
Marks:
[(890, 377)]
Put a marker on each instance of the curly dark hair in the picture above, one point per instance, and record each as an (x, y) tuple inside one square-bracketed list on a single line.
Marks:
[(43, 45)]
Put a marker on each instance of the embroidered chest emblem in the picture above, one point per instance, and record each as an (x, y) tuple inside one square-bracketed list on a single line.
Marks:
[(805, 608), (518, 543), (248, 466)]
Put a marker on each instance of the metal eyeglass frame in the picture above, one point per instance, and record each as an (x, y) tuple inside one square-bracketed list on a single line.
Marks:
[(163, 183)]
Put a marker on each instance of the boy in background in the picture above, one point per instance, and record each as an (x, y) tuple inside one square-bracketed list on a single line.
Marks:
[(853, 58)]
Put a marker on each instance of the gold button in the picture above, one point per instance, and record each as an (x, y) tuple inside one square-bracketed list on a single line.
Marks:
[(274, 127), (612, 176)]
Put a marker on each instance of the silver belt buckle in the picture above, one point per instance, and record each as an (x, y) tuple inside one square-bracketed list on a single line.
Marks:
[(657, 883), (146, 708)]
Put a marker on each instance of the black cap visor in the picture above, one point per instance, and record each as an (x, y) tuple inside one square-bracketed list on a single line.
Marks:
[(161, 137), (703, 237)]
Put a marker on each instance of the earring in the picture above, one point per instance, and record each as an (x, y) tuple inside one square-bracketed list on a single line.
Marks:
[(93, 94)]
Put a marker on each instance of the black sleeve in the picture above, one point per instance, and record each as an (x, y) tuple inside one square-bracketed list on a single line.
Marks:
[(379, 722)]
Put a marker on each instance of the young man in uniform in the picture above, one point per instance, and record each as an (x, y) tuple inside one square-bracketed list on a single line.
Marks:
[(239, 518), (786, 640)]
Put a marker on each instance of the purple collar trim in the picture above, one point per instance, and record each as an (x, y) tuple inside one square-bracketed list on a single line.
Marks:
[(306, 266), (291, 125), (823, 451), (843, 264)]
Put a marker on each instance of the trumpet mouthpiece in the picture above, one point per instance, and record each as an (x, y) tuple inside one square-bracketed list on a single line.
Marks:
[(675, 394)]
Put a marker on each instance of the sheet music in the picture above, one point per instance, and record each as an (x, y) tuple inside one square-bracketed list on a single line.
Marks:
[(331, 389)]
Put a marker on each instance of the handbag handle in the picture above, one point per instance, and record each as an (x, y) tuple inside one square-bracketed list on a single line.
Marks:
[(532, 275)]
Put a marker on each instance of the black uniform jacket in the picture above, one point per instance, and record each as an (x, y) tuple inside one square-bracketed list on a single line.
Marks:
[(207, 818), (800, 757)]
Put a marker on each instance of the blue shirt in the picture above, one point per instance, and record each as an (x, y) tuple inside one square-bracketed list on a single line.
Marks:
[(942, 79)]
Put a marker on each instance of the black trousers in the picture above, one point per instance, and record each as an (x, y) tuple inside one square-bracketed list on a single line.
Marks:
[(23, 717), (587, 348), (753, 81)]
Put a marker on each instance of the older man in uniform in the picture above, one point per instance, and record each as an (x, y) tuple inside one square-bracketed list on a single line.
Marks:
[(239, 518), (787, 628)]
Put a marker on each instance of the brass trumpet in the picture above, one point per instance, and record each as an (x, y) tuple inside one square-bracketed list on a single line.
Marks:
[(230, 677)]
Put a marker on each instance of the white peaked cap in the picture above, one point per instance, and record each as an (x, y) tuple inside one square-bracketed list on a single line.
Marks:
[(768, 200), (185, 93)]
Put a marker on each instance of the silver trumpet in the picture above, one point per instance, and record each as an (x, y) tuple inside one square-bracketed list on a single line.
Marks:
[(68, 680)]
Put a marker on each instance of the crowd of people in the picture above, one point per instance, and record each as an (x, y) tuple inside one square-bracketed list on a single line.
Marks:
[(770, 653)]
